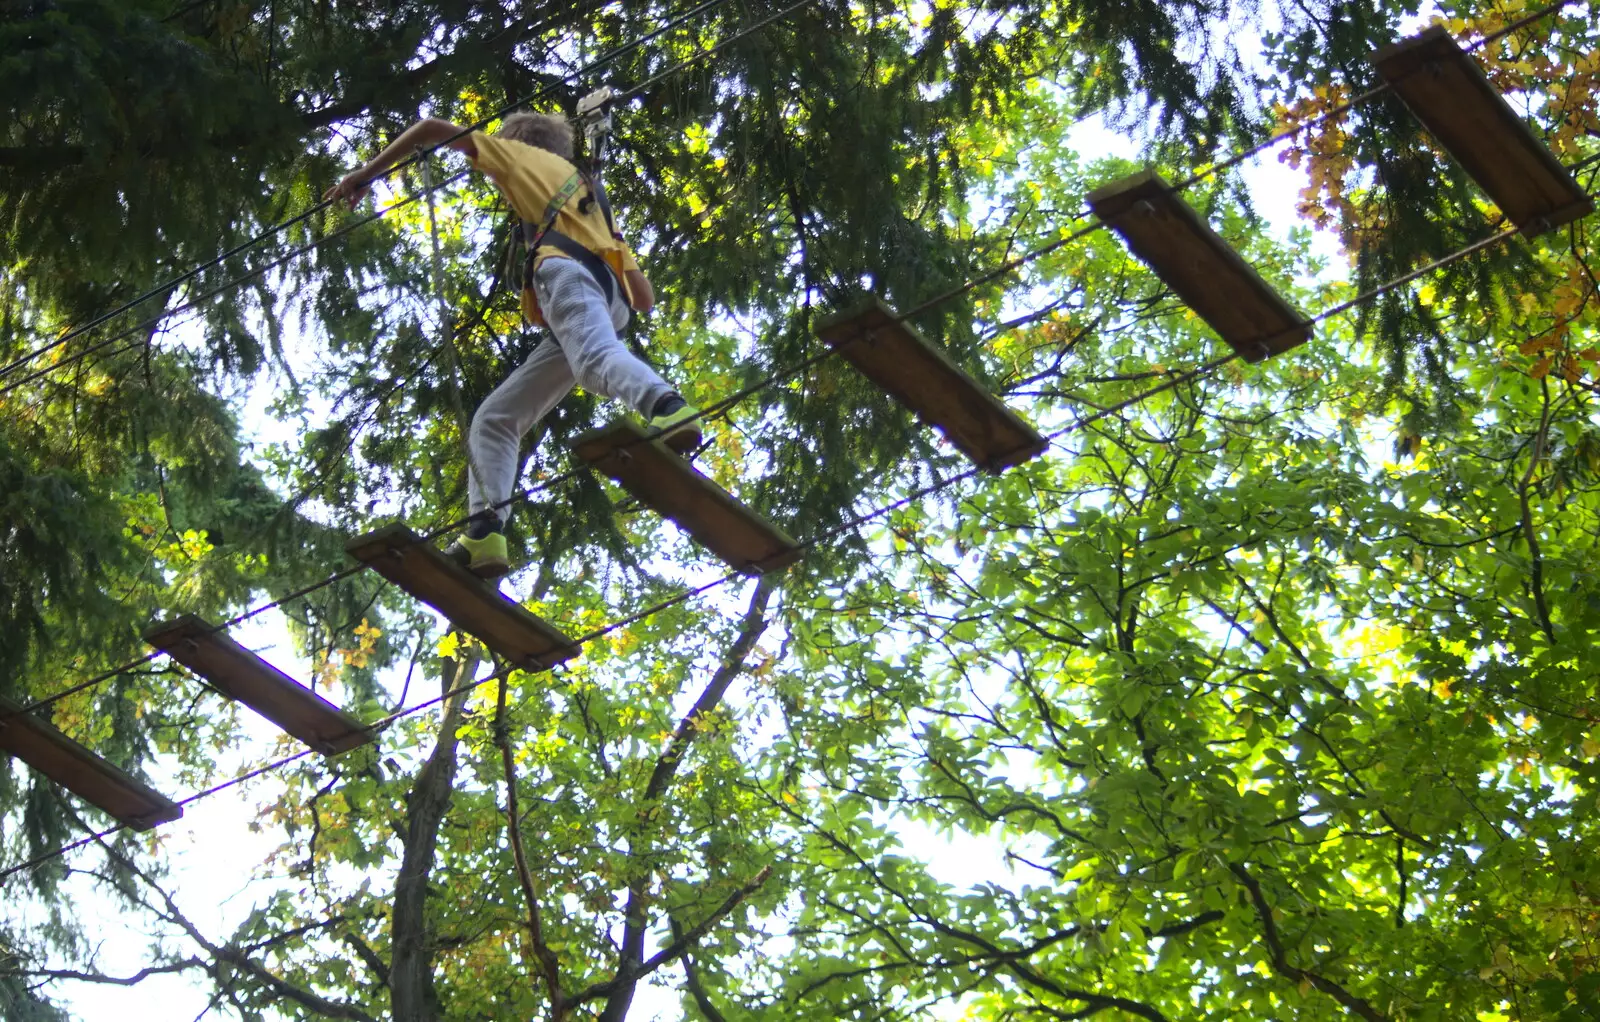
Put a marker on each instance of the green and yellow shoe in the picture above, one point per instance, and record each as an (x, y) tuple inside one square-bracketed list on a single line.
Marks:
[(485, 558), (679, 429)]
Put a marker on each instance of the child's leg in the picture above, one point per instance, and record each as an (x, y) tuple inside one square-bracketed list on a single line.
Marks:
[(586, 328), (505, 417)]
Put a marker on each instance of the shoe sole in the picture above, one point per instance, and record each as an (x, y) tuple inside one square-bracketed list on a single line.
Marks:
[(488, 570), (682, 440)]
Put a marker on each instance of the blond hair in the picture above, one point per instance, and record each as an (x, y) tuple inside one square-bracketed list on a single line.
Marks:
[(545, 131)]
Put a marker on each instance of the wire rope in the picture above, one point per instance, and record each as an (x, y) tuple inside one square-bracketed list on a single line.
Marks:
[(855, 522), (1007, 267), (323, 204), (1204, 173), (738, 396), (432, 534)]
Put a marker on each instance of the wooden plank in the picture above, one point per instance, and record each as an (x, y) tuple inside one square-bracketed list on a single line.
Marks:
[(1447, 91), (81, 772), (421, 569), (239, 674), (1200, 268), (900, 360), (670, 485)]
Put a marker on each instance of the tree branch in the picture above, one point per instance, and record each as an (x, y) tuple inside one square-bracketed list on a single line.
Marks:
[(97, 977), (283, 988), (682, 943), (692, 981), (363, 951), (1530, 533), (411, 990), (237, 957), (1014, 960), (1280, 957), (549, 965), (620, 993)]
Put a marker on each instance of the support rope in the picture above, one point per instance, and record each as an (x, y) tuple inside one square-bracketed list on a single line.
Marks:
[(1205, 173), (301, 217), (856, 522)]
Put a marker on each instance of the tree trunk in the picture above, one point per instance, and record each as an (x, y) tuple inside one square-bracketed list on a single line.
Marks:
[(411, 992)]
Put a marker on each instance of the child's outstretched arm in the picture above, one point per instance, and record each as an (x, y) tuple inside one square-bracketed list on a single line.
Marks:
[(428, 132)]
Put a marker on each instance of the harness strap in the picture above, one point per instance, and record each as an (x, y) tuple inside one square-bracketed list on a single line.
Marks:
[(553, 208), (597, 187), (546, 234), (597, 267)]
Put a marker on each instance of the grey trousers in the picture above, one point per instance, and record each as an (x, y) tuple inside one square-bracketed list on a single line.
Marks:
[(586, 352)]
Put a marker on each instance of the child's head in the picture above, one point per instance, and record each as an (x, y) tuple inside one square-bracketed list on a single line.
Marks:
[(545, 131)]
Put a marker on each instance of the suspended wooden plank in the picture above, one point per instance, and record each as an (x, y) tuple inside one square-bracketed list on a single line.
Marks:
[(904, 364), (670, 485), (81, 772), (1200, 268), (239, 674), (421, 569), (1447, 91)]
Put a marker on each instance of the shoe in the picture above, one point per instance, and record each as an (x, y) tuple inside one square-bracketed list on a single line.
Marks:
[(679, 429), (485, 558)]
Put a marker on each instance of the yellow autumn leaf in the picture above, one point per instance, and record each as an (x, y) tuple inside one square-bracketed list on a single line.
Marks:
[(1567, 303), (1591, 748), (449, 644)]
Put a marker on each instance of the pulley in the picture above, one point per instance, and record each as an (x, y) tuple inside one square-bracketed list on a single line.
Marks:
[(594, 115)]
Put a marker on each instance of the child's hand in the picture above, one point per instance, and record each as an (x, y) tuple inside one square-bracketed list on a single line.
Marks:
[(353, 187)]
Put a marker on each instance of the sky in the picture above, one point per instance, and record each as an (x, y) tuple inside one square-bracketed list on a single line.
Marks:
[(214, 856)]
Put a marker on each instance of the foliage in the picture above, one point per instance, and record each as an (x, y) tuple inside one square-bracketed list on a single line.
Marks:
[(1268, 696)]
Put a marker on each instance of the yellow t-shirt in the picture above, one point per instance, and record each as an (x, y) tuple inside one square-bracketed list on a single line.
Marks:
[(529, 177)]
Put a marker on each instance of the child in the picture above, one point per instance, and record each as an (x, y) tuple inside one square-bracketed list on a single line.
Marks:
[(583, 299)]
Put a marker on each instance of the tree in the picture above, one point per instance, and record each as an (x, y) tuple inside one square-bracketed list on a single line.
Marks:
[(1267, 723)]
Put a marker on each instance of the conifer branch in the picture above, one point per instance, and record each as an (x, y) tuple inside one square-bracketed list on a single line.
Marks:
[(501, 41)]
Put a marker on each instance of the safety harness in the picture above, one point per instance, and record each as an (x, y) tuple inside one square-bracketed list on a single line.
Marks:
[(594, 112)]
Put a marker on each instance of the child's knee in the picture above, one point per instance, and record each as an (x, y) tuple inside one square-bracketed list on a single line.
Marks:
[(589, 364), (494, 418)]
